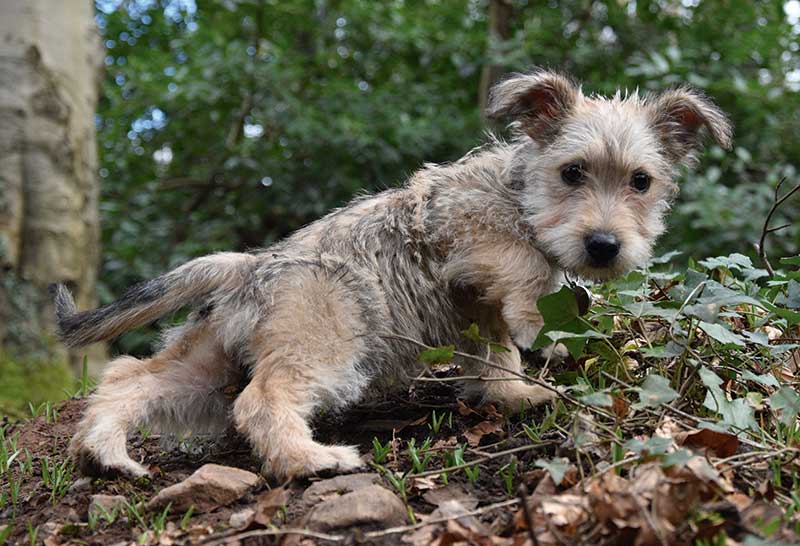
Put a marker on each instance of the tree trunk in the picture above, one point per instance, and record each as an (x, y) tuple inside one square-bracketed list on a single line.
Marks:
[(50, 59), (500, 12)]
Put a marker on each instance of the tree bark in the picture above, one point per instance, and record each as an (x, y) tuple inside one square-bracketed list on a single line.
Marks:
[(50, 60), (500, 12)]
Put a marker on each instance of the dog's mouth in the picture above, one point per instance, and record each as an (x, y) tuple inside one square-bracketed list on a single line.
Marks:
[(598, 274)]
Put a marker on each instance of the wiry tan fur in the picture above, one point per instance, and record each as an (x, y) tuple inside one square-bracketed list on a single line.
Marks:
[(309, 322)]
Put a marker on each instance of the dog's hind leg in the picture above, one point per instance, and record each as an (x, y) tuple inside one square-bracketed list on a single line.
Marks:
[(180, 388), (308, 352)]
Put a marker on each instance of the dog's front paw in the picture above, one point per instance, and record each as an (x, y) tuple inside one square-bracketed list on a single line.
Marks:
[(554, 353), (514, 397), (339, 459), (318, 458)]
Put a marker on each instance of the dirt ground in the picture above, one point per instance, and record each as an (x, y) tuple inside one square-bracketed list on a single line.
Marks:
[(400, 418), (477, 504)]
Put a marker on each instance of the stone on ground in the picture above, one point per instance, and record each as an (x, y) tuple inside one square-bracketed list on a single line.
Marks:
[(210, 487)]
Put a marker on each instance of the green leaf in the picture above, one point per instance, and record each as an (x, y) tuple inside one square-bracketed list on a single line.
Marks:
[(678, 457), (792, 317), (559, 308), (438, 355), (557, 468), (735, 261), (498, 348), (788, 402), (666, 258), (655, 390), (721, 334), (670, 350), (655, 445), (792, 297), (473, 333), (738, 413), (560, 313), (558, 335), (646, 309), (597, 399), (767, 379)]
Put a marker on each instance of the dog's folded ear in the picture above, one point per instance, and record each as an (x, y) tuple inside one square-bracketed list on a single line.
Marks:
[(680, 115), (539, 101)]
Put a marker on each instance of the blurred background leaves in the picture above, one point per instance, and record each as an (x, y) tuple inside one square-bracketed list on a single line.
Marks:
[(228, 124)]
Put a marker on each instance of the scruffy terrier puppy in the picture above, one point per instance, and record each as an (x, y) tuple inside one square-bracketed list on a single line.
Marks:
[(308, 322)]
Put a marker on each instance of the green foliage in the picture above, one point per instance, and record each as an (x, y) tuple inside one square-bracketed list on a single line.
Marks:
[(380, 451), (437, 355), (557, 468)]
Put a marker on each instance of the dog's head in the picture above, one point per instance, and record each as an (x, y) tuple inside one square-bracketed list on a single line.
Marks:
[(595, 175)]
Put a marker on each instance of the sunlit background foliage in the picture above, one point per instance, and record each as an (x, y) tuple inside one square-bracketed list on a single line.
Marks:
[(227, 124)]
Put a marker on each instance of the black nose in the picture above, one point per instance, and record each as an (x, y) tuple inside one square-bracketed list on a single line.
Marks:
[(602, 248)]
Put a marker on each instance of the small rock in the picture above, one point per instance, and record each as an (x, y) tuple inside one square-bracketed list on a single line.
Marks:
[(80, 484), (366, 506), (340, 485), (210, 487), (100, 504), (242, 519)]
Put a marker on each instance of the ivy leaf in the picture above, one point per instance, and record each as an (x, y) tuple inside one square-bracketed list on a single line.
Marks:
[(678, 457), (561, 313), (722, 334), (655, 445), (787, 400), (598, 399), (734, 261), (738, 413), (792, 297), (557, 468), (559, 308), (641, 309), (438, 355), (665, 258), (655, 391), (559, 336), (792, 317), (767, 379)]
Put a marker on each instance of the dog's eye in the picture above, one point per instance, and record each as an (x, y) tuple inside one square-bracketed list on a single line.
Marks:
[(572, 174), (640, 181)]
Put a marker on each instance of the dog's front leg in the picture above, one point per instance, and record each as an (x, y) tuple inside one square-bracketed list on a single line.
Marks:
[(521, 314), (504, 382), (512, 274)]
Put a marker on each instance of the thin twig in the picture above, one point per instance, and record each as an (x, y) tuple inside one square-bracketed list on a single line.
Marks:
[(270, 532), (476, 512), (777, 202), (487, 457), (489, 364), (522, 492)]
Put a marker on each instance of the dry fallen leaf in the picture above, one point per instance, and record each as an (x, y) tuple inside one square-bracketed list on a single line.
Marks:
[(620, 406), (720, 444), (453, 491), (484, 428), (269, 503)]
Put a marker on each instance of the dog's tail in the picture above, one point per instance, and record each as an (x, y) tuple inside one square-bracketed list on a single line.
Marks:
[(149, 300)]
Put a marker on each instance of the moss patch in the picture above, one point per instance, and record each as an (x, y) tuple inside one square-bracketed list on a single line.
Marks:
[(33, 381)]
